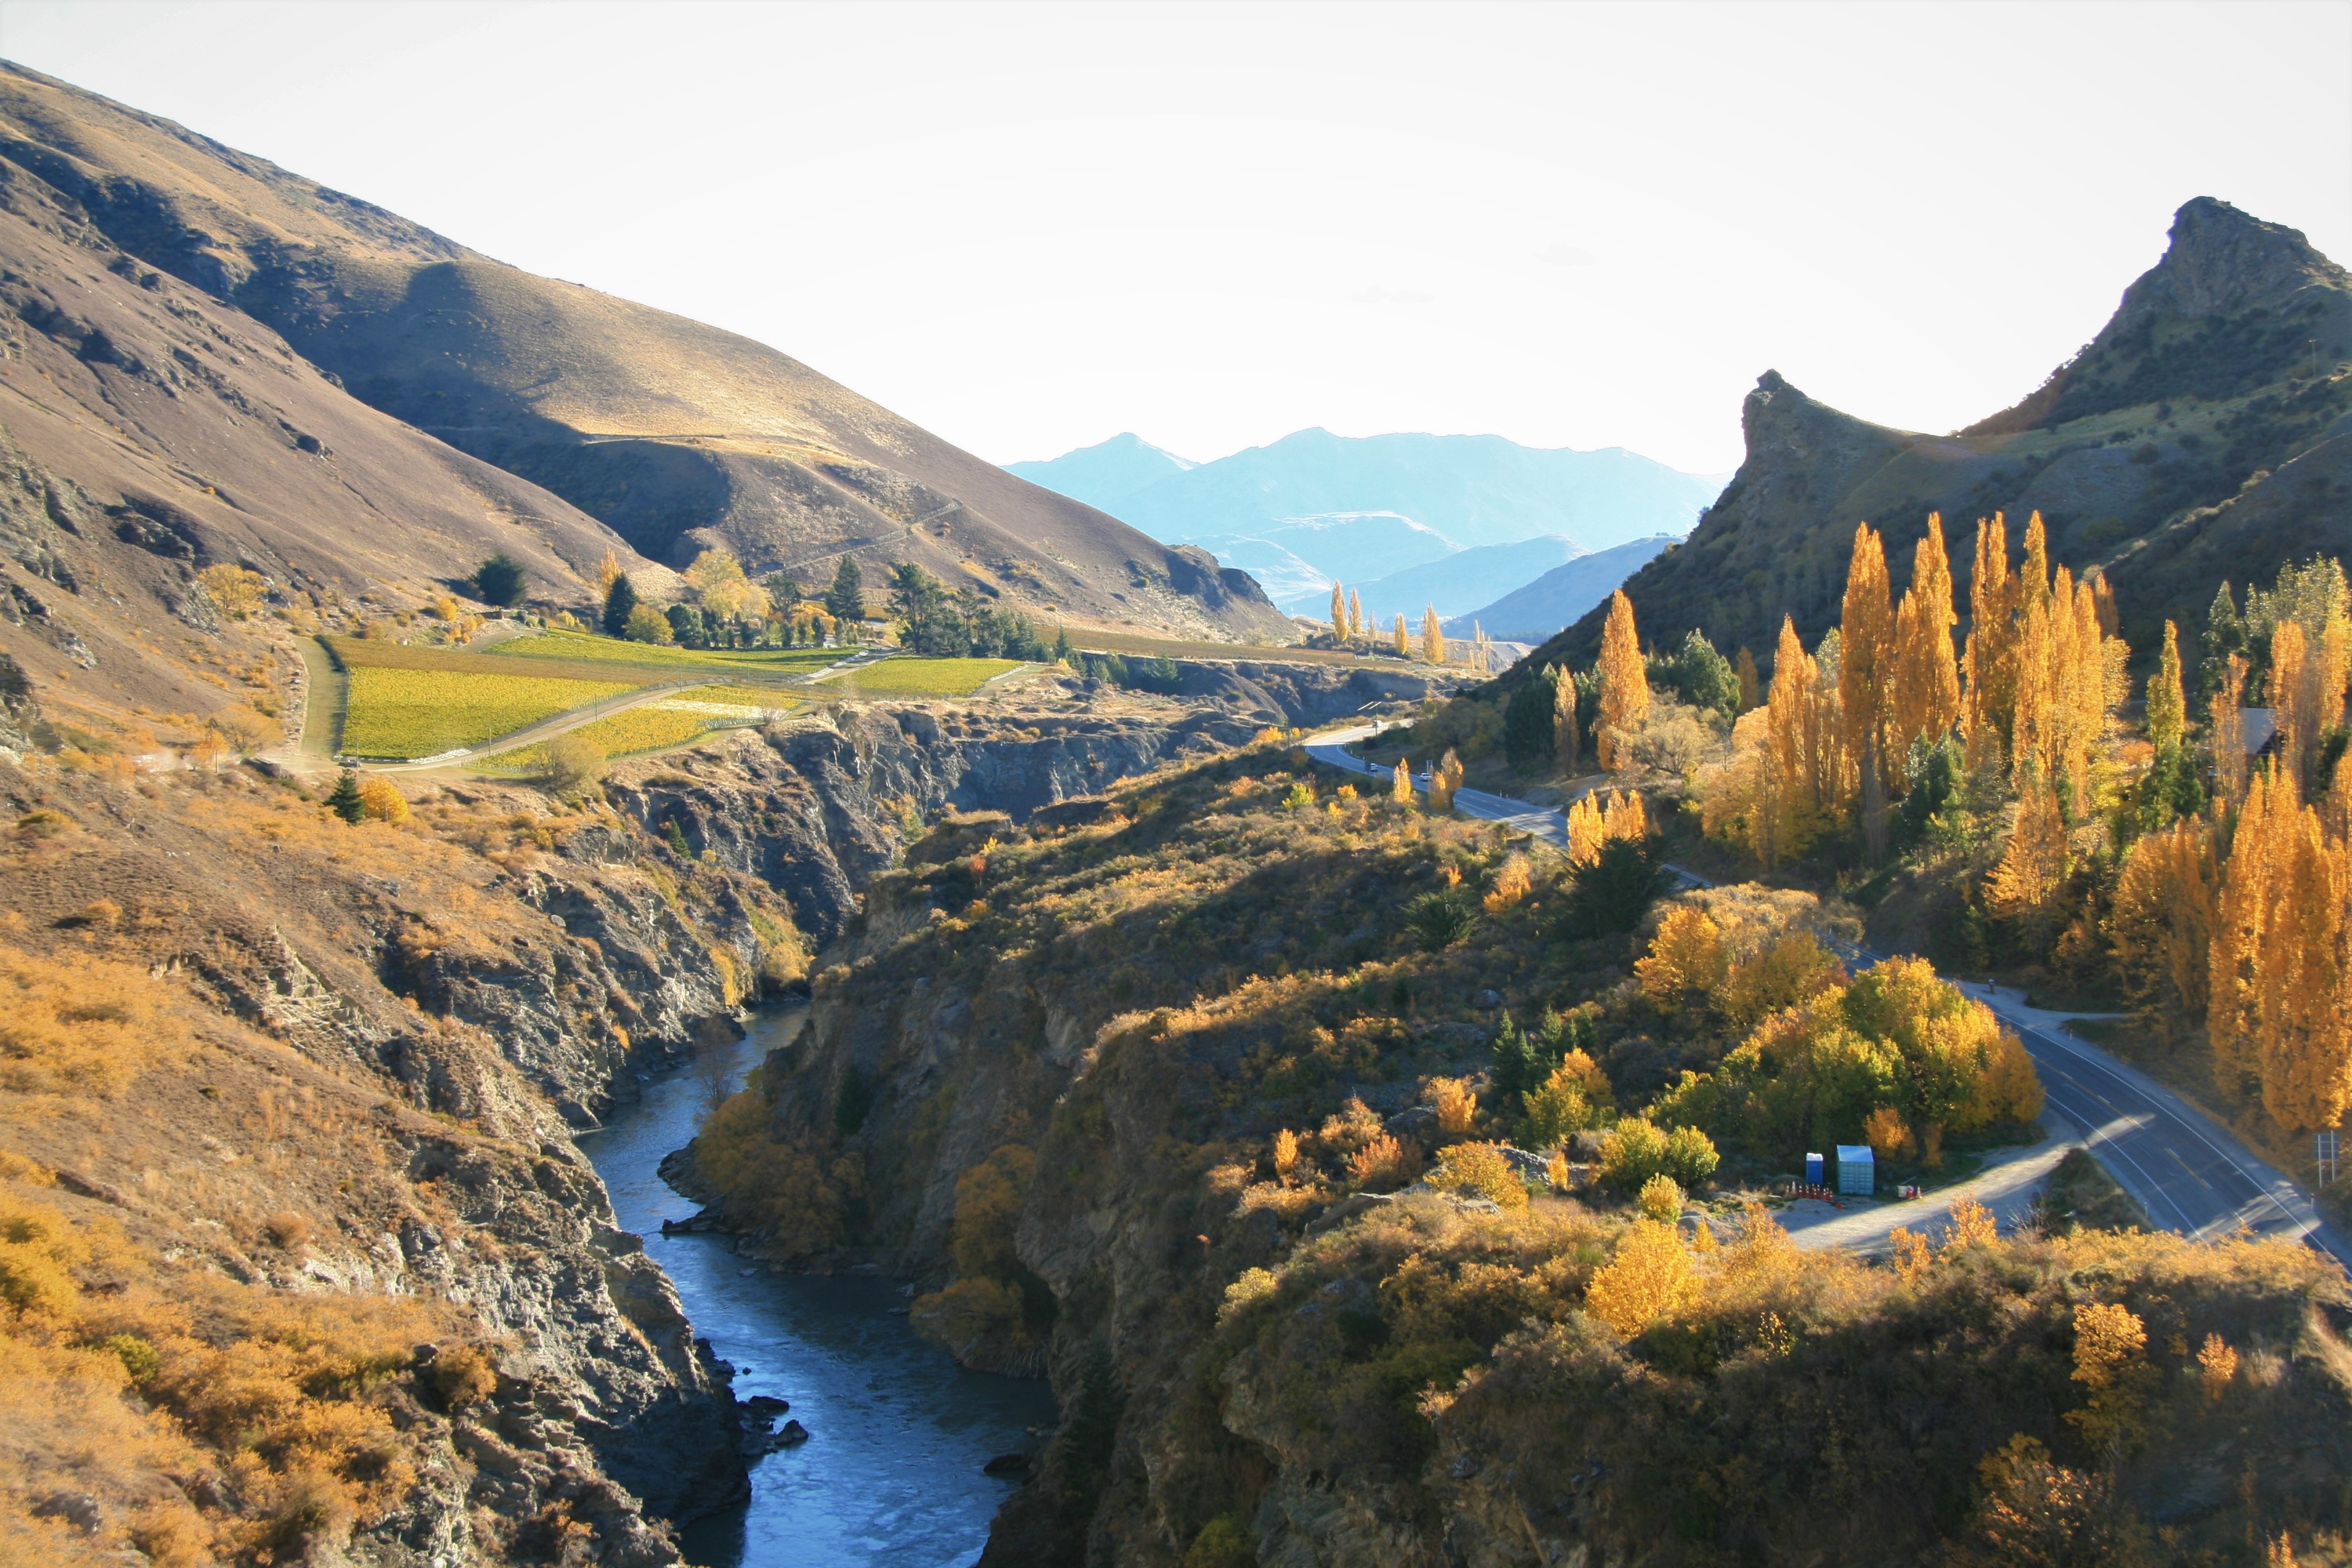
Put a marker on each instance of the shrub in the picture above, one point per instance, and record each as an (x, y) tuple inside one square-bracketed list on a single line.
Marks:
[(1616, 891), (574, 763), (1661, 1198), (234, 590), (286, 1231), (1634, 1151), (460, 1376), (1480, 1169), (1649, 1277), (646, 624), (1224, 1542), (500, 581), (1439, 920), (1455, 1102), (1384, 1164), (381, 799)]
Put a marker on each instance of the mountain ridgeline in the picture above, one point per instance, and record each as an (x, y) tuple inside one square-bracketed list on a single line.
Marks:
[(671, 436), (2204, 435), (1314, 507)]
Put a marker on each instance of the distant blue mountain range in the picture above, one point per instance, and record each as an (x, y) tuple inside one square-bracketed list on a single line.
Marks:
[(1560, 597), (1453, 521)]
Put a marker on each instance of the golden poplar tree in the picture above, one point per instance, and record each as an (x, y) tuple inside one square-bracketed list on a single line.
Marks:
[(2168, 705), (2228, 729), (1751, 684), (608, 572), (1867, 647), (2241, 917), (1339, 613), (1587, 829), (1401, 783), (1566, 737), (2301, 1035), (1790, 809), (2024, 887), (1624, 681), (1355, 614), (1927, 679), (1404, 639), (2104, 597), (1432, 636), (1445, 780), (1625, 817), (2160, 921), (1989, 661)]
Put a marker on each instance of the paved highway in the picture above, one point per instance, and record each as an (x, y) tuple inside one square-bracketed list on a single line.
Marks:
[(2189, 1174)]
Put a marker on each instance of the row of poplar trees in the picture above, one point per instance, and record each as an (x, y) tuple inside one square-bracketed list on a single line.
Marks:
[(2239, 916), (2232, 910), (2033, 691)]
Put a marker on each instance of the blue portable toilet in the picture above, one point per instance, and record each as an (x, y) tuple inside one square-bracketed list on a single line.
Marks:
[(1813, 1170), (1857, 1171)]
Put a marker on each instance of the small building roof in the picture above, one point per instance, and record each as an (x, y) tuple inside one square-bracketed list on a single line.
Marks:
[(1854, 1154), (2261, 727)]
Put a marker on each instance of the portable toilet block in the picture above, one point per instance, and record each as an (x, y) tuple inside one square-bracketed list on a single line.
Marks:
[(1813, 1170), (1857, 1171)]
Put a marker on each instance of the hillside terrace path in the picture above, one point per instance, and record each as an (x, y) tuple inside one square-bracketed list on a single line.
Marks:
[(2189, 1174)]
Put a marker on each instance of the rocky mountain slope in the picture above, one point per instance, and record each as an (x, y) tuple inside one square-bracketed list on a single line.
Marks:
[(152, 431), (2205, 434), (676, 435)]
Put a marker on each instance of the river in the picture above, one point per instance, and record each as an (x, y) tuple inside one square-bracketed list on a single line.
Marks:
[(897, 1432)]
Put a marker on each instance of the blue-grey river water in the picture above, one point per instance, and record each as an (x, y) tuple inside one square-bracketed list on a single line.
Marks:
[(897, 1432)]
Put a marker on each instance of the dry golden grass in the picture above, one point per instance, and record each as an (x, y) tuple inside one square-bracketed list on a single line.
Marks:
[(69, 1029)]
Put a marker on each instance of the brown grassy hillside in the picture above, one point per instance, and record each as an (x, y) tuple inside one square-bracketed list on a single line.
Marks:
[(149, 432), (678, 435), (2201, 435)]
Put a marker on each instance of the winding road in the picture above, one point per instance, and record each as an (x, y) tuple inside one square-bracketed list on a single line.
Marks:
[(2186, 1172)]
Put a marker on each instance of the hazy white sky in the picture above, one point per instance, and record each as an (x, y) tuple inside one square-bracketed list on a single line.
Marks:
[(1029, 227)]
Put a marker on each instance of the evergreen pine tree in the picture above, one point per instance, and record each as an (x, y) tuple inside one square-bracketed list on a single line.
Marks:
[(345, 801), (620, 600), (845, 600)]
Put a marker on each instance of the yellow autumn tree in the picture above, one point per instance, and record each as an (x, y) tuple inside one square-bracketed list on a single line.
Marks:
[(1989, 663), (2301, 1035), (1355, 614), (1432, 636), (1625, 681), (2241, 917), (1445, 779), (1866, 644), (1751, 683), (2024, 886), (2161, 922), (1339, 613), (1586, 832), (1925, 685), (2228, 731), (2307, 689), (1400, 782), (1403, 639), (1686, 957), (2168, 706), (1649, 1277)]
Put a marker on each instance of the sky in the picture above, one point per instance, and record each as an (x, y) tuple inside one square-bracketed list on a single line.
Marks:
[(1030, 227)]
